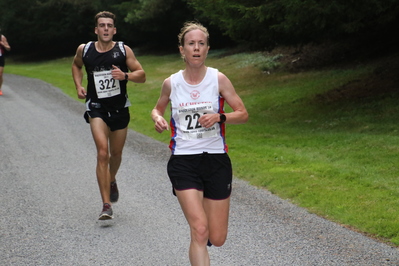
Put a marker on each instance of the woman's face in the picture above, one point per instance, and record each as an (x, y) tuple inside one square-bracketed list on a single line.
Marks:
[(195, 49)]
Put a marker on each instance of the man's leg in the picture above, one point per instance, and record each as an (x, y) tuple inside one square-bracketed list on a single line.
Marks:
[(100, 132), (116, 143)]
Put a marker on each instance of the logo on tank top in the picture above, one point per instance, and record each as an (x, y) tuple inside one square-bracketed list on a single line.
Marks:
[(195, 95), (116, 54)]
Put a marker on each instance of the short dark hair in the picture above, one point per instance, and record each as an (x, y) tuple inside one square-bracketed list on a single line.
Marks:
[(104, 14)]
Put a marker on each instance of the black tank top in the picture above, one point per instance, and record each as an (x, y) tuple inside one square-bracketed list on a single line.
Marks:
[(96, 62)]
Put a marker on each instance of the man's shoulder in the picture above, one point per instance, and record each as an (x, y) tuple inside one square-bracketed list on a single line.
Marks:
[(88, 43), (85, 47), (121, 46)]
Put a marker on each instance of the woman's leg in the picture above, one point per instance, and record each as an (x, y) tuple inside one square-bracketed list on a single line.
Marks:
[(191, 202), (217, 212)]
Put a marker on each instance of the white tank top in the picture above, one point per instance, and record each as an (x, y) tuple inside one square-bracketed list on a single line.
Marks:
[(188, 104)]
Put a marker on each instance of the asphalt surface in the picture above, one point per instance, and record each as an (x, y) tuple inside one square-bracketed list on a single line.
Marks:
[(50, 201)]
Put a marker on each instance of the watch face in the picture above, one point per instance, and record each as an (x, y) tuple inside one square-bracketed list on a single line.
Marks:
[(222, 118)]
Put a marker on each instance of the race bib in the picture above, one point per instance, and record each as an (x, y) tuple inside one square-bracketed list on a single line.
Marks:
[(190, 127), (106, 85)]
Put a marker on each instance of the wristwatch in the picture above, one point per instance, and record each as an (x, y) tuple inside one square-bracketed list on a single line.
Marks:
[(222, 118), (126, 76)]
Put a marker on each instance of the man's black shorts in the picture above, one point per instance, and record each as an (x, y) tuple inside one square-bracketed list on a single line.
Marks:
[(115, 120), (210, 173)]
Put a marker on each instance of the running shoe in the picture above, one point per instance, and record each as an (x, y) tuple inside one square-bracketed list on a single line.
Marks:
[(114, 196), (106, 214), (1, 92)]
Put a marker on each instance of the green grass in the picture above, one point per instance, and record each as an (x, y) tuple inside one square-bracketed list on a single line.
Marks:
[(337, 159)]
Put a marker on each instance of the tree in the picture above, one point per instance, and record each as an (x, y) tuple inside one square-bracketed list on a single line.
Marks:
[(267, 23), (46, 28), (157, 22)]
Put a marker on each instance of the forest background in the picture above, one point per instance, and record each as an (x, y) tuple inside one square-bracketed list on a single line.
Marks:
[(48, 28), (319, 78)]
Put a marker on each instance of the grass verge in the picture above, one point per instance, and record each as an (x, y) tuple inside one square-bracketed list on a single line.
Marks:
[(337, 158)]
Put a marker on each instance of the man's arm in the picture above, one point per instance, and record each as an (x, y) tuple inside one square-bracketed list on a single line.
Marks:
[(77, 72), (137, 73)]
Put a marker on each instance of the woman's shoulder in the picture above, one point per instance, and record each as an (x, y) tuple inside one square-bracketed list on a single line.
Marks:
[(176, 75), (212, 69)]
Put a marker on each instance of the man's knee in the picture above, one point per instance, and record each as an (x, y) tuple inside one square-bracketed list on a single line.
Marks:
[(102, 156), (116, 153)]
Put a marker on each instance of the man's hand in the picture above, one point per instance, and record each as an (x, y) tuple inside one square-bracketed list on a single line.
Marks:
[(81, 93), (117, 73)]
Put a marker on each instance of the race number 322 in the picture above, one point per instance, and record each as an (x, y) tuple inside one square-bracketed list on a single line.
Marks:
[(106, 85)]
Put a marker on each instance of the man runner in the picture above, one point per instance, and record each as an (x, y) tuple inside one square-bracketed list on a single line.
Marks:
[(107, 65)]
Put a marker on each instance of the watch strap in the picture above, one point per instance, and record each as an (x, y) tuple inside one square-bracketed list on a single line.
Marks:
[(222, 118)]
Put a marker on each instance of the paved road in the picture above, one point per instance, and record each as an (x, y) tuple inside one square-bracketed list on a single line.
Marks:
[(50, 201)]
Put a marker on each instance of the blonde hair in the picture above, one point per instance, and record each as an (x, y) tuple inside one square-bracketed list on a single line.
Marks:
[(189, 26)]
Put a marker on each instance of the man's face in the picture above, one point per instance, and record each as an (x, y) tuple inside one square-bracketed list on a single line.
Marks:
[(105, 29)]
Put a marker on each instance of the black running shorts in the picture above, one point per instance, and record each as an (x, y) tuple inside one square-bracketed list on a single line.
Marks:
[(115, 120), (210, 173), (2, 61)]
